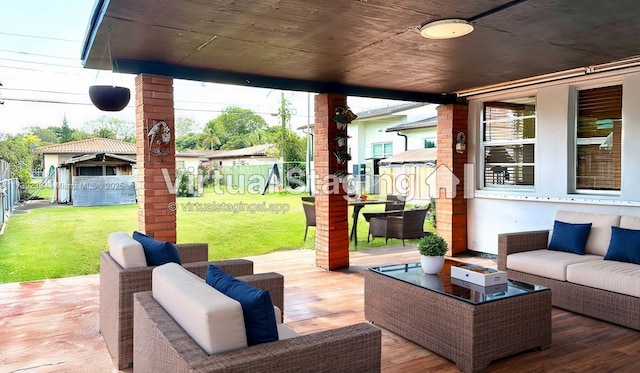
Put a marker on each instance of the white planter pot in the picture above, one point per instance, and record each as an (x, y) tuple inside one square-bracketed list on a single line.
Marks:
[(431, 264)]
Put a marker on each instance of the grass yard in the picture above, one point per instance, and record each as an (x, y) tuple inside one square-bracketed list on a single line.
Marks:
[(63, 241)]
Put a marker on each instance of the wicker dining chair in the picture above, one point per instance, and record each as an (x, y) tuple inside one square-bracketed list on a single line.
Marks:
[(407, 226), (308, 204)]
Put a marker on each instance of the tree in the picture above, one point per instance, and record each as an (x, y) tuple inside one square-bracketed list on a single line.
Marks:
[(190, 141), (65, 131), (15, 151), (209, 139), (46, 135), (112, 128), (186, 126), (234, 127)]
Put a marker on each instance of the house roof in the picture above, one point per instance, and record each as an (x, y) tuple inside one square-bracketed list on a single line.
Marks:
[(381, 112), (98, 156), (360, 48), (257, 150), (88, 146), (415, 156), (423, 123)]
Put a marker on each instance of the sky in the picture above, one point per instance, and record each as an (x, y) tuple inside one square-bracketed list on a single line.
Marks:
[(44, 81)]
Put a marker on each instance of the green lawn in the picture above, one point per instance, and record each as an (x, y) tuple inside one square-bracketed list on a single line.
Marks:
[(66, 241)]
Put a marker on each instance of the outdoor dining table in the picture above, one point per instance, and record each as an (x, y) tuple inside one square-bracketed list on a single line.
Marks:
[(357, 206)]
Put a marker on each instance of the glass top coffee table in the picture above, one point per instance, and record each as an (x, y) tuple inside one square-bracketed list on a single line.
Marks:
[(443, 283), (469, 326)]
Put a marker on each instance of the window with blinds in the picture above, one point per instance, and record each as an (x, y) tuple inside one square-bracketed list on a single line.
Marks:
[(509, 135), (598, 135)]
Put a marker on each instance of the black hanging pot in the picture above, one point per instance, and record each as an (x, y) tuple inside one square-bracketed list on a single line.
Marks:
[(109, 97)]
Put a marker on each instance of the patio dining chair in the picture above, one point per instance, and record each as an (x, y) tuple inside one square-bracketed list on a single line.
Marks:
[(309, 206), (409, 225), (393, 207)]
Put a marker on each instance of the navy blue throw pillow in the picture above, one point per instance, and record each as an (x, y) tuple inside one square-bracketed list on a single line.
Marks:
[(569, 237), (257, 307), (157, 252), (624, 245)]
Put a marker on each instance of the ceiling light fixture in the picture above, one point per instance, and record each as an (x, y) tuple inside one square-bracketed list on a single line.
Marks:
[(446, 29)]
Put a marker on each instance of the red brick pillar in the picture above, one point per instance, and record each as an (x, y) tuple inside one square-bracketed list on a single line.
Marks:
[(332, 221), (451, 206), (156, 164)]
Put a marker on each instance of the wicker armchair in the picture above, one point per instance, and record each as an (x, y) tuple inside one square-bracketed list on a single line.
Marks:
[(407, 226), (117, 286), (161, 345)]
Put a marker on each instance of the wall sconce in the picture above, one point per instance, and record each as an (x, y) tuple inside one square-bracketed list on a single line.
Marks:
[(461, 139)]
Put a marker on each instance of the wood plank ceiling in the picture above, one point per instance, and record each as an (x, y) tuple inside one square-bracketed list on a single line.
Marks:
[(359, 47)]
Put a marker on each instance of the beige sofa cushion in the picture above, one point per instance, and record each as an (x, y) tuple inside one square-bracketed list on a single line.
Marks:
[(546, 263), (600, 234), (630, 222), (126, 251), (619, 277), (213, 320)]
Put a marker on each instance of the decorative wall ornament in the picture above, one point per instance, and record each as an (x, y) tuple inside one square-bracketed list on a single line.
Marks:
[(159, 137)]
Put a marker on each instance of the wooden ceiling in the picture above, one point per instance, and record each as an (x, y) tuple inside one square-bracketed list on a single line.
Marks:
[(359, 47)]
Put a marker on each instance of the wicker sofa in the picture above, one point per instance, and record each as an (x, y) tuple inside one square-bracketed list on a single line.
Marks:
[(587, 284), (118, 284), (163, 343)]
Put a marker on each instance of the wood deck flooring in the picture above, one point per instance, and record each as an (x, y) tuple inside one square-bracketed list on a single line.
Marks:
[(52, 325)]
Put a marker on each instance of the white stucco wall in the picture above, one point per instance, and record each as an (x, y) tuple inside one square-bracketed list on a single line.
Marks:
[(491, 212)]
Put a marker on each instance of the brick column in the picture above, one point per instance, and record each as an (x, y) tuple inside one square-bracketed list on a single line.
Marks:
[(332, 221), (156, 164), (451, 208)]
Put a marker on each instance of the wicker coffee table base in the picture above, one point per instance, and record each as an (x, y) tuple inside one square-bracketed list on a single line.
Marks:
[(467, 334)]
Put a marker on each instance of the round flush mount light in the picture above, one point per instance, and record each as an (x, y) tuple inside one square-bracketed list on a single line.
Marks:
[(446, 29)]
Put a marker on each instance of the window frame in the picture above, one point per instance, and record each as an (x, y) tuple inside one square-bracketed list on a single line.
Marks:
[(434, 140), (483, 144), (383, 145), (573, 137)]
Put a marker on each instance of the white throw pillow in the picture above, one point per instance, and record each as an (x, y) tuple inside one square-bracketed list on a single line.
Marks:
[(213, 320), (126, 251)]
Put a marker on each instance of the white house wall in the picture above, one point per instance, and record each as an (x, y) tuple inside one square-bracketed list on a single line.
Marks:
[(491, 212)]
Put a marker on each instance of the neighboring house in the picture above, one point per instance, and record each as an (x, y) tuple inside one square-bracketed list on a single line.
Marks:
[(56, 154), (381, 133), (253, 155), (91, 172), (384, 132)]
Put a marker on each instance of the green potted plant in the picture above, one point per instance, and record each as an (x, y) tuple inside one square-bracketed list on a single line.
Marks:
[(432, 248)]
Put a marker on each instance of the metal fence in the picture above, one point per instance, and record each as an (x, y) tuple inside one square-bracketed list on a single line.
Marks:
[(250, 176), (10, 194)]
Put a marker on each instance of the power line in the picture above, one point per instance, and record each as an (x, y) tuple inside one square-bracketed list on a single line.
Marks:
[(46, 101), (39, 55), (40, 63), (39, 37)]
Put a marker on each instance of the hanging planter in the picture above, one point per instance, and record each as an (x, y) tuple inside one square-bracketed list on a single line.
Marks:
[(343, 116), (342, 157), (109, 98), (341, 139)]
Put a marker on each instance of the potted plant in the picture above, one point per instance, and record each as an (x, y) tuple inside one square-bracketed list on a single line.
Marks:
[(432, 248)]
